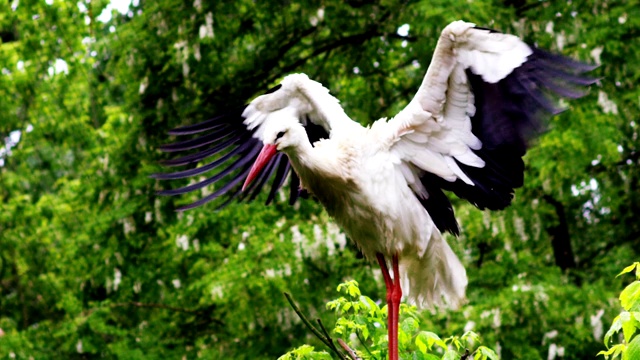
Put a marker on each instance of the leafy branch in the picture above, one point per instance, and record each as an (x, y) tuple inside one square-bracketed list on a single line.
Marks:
[(628, 321), (361, 316)]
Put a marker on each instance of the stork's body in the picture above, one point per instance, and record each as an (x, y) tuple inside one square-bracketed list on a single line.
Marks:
[(484, 96), (358, 181)]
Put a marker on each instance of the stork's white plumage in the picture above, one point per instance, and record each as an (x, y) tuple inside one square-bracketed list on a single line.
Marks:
[(484, 96)]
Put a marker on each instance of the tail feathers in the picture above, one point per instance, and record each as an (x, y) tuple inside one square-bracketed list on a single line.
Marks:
[(435, 279)]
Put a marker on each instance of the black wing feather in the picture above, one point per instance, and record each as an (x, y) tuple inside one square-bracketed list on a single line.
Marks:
[(212, 123), (315, 132), (202, 169), (194, 158), (199, 142), (223, 190), (278, 181), (509, 114), (294, 188), (244, 161), (233, 149)]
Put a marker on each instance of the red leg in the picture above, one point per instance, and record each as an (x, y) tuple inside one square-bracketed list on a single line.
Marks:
[(394, 294), (385, 273)]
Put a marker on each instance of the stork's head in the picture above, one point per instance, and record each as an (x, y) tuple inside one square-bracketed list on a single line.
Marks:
[(279, 135), (285, 134)]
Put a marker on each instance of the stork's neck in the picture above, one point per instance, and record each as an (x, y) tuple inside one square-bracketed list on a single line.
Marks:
[(302, 156), (326, 172)]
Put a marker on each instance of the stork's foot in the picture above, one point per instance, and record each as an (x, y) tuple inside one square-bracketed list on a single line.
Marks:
[(394, 294)]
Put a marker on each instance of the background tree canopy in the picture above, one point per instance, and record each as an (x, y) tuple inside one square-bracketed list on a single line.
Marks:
[(94, 264)]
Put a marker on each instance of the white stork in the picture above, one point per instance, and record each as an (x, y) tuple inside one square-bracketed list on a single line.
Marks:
[(484, 96)]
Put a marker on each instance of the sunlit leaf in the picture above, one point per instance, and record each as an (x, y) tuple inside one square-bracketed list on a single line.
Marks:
[(629, 268), (633, 349), (615, 327), (630, 297)]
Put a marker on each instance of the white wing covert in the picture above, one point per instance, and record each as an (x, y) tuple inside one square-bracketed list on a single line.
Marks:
[(303, 98), (485, 95)]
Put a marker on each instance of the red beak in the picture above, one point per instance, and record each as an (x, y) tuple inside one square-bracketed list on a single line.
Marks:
[(266, 154)]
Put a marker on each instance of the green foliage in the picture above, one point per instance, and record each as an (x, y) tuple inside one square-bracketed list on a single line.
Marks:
[(362, 325), (628, 321), (305, 352)]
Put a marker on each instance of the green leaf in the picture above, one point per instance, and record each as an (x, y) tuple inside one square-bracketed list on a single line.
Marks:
[(630, 297), (619, 349), (456, 342), (470, 337), (487, 353), (614, 351), (431, 339), (633, 350), (422, 347), (373, 308), (629, 268), (451, 355), (409, 325), (615, 327), (351, 287), (305, 352), (629, 325), (346, 307), (434, 339), (365, 332), (354, 290)]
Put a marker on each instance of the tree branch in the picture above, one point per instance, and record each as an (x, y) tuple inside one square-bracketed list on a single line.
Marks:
[(349, 351), (364, 344), (165, 307), (315, 267), (347, 40), (325, 338), (560, 237)]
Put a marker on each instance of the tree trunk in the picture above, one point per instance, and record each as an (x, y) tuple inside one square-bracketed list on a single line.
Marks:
[(560, 238)]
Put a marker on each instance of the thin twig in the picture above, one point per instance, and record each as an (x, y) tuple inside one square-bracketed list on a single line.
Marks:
[(362, 341), (324, 330), (349, 351), (466, 355), (327, 336), (167, 307), (305, 320), (158, 306), (325, 339)]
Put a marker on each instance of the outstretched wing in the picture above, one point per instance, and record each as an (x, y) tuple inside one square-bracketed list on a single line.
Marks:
[(485, 95), (231, 142)]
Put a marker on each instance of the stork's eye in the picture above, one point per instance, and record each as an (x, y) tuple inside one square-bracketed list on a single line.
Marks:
[(279, 135)]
